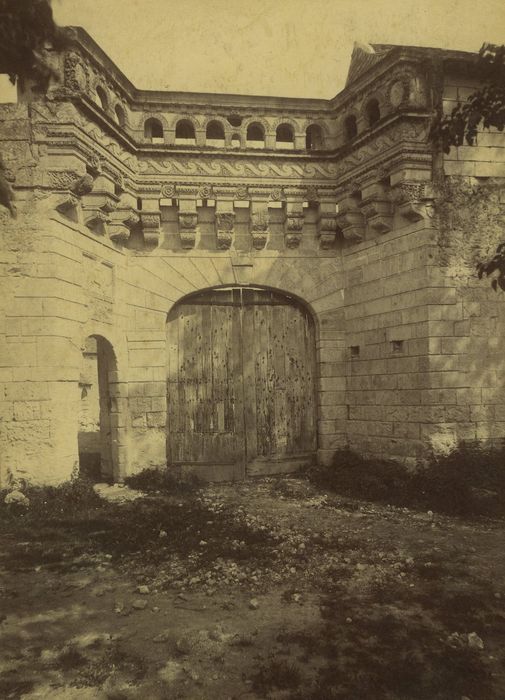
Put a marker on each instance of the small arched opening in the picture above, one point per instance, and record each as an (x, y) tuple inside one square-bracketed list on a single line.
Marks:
[(314, 138), (185, 133), (350, 128), (97, 431), (153, 130), (284, 136), (372, 112), (255, 136), (214, 134)]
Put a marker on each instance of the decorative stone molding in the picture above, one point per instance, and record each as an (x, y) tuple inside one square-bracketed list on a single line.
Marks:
[(242, 192), (205, 192), (225, 222), (188, 223), (259, 229), (150, 222), (311, 194), (277, 194), (168, 190)]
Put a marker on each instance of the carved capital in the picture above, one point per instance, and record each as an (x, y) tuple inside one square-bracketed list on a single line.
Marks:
[(259, 229)]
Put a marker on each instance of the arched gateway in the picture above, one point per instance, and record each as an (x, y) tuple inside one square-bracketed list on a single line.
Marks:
[(240, 383)]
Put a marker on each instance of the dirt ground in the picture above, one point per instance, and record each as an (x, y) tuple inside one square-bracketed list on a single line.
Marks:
[(321, 598)]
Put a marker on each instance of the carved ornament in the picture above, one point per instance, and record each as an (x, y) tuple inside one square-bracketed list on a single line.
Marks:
[(75, 73), (168, 190)]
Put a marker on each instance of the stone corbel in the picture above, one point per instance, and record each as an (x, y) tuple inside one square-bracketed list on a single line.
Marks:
[(293, 227), (225, 223), (327, 229), (120, 228), (188, 221), (259, 228), (68, 205), (97, 222), (378, 213), (150, 222), (351, 220), (412, 200)]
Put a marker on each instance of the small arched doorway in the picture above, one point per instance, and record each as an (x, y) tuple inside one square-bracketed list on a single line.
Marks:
[(97, 429), (240, 383)]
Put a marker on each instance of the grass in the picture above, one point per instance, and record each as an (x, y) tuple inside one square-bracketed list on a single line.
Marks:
[(469, 482)]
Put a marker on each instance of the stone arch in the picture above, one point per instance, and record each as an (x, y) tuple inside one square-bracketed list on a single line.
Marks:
[(257, 120), (287, 120), (234, 434), (185, 118), (101, 419)]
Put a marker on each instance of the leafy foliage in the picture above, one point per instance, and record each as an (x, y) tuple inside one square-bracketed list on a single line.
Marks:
[(468, 482), (484, 107), (496, 263), (26, 29)]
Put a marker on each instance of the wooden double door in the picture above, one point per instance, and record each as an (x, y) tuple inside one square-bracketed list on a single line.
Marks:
[(240, 384)]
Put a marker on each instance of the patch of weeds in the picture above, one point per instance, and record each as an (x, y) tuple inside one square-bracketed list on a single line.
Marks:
[(71, 658), (468, 482), (277, 673), (164, 481)]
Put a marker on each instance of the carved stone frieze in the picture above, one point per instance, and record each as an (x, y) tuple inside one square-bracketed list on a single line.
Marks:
[(225, 222)]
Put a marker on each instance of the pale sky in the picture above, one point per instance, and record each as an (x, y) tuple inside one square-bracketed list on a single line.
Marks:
[(294, 48), (298, 48)]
